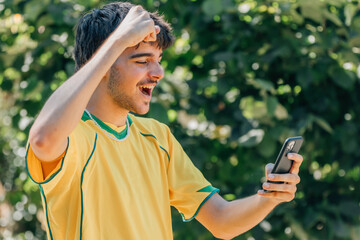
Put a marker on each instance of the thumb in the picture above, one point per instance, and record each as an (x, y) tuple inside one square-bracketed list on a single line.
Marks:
[(268, 168)]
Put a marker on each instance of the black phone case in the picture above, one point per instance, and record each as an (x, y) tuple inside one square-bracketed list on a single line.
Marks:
[(282, 163)]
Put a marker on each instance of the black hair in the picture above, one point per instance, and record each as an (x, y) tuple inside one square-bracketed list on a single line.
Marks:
[(95, 27)]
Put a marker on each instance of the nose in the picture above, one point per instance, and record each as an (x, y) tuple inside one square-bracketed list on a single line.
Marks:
[(156, 72)]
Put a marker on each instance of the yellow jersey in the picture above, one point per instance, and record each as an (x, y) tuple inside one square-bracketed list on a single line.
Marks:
[(119, 182)]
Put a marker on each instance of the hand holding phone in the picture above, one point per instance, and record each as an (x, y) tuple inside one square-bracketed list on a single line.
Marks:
[(282, 163)]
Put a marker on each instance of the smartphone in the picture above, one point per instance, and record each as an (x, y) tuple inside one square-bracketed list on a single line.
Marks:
[(282, 163)]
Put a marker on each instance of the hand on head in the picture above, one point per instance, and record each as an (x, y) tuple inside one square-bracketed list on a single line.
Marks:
[(152, 36), (137, 27)]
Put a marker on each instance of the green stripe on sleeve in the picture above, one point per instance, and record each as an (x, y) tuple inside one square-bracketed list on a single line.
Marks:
[(54, 174), (202, 203), (207, 189)]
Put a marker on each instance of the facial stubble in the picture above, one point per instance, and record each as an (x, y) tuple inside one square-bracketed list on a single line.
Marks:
[(118, 95)]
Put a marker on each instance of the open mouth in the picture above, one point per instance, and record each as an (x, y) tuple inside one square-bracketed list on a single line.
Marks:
[(146, 89)]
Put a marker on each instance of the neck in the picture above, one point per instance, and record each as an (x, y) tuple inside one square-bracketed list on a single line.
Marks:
[(104, 108)]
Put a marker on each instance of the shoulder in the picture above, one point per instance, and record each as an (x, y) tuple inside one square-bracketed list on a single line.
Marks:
[(84, 129), (82, 138), (150, 126)]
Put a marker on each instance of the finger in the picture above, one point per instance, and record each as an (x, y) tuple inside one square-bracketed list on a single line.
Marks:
[(285, 177), (278, 196), (298, 159), (282, 187), (146, 39), (138, 9), (150, 38), (268, 168)]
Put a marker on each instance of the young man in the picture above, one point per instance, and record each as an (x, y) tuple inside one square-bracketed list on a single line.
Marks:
[(106, 174)]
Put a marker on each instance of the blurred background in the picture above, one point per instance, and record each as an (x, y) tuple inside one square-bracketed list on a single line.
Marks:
[(242, 76)]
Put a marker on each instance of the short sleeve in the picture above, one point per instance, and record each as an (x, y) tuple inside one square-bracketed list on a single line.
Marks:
[(188, 188), (70, 163), (35, 169)]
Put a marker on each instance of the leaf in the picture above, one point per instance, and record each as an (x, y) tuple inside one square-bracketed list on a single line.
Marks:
[(350, 208), (262, 84), (323, 124), (29, 186), (311, 218), (252, 138), (212, 7), (299, 231), (333, 18), (223, 56), (356, 24), (305, 77), (6, 85), (56, 12), (70, 68), (355, 232), (46, 20), (312, 10), (281, 51), (7, 59), (297, 18), (336, 3), (341, 77), (252, 109), (278, 131), (267, 146), (354, 41), (34, 8), (281, 113), (340, 228), (271, 105), (349, 11)]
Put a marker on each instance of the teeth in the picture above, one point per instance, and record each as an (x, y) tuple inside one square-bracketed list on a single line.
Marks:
[(147, 86)]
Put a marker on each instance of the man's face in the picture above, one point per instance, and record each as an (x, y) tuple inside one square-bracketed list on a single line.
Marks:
[(133, 77)]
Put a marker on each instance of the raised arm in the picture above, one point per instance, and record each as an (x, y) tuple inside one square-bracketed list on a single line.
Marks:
[(227, 220), (63, 110)]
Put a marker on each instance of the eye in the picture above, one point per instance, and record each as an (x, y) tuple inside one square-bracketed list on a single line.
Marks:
[(141, 62)]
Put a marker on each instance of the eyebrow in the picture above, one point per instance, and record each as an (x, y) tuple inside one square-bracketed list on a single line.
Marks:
[(138, 55)]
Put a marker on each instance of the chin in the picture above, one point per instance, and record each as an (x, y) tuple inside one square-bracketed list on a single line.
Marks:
[(141, 111)]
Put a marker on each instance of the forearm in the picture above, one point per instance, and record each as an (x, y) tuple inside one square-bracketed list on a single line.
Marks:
[(229, 219), (239, 216), (64, 108)]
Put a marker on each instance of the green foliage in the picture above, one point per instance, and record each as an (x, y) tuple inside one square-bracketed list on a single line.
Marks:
[(241, 77)]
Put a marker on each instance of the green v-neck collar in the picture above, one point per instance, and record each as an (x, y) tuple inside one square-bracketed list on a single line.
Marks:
[(119, 135)]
